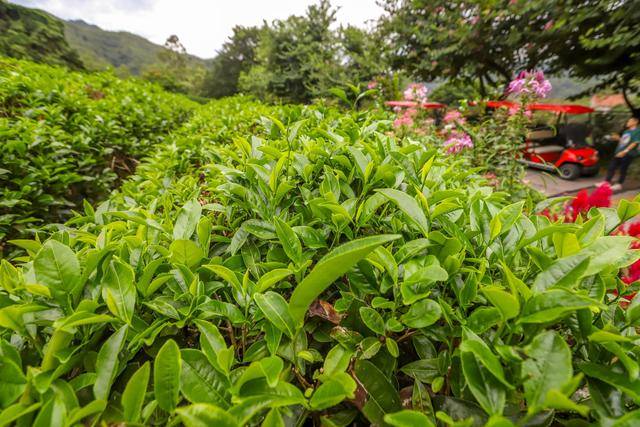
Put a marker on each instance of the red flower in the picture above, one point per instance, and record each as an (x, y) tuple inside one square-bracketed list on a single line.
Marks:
[(579, 204), (601, 196), (632, 229)]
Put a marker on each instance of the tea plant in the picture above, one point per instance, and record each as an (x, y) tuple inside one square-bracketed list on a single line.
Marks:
[(70, 136), (301, 266)]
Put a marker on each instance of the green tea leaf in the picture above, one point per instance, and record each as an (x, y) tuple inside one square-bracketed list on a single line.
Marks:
[(508, 304), (408, 418), (422, 314), (552, 305), (547, 368), (489, 393), (206, 415), (472, 343), (134, 393), (372, 319), (333, 391), (382, 397), (563, 273), (166, 376), (409, 206), (289, 240), (57, 267), (119, 291), (272, 277), (187, 220), (185, 252), (275, 308), (328, 269), (107, 363), (200, 382)]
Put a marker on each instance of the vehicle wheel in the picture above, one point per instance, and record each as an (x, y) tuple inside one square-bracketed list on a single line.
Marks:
[(569, 171)]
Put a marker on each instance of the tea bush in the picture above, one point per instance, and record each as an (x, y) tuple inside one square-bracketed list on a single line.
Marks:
[(302, 266), (68, 136)]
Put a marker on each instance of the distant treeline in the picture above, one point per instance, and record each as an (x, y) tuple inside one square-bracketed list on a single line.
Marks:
[(472, 47)]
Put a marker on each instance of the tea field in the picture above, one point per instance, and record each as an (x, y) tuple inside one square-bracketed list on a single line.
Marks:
[(67, 136), (289, 266)]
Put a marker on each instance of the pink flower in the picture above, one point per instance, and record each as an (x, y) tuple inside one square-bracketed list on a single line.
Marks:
[(372, 84), (530, 83), (457, 142), (453, 116), (416, 92), (515, 110), (404, 120), (548, 25)]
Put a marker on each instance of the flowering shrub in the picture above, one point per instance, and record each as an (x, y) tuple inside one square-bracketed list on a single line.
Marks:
[(633, 272), (453, 117), (405, 117), (499, 137), (457, 141), (583, 201), (416, 92), (579, 209), (531, 84), (413, 119)]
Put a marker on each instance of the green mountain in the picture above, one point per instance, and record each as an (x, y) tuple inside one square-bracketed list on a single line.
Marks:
[(36, 35), (99, 48)]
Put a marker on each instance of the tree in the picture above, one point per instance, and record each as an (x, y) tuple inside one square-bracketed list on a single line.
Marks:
[(299, 56), (175, 72), (238, 55), (600, 38), (484, 41), (295, 59), (360, 52)]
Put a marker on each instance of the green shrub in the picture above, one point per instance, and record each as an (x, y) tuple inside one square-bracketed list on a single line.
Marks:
[(68, 136), (297, 265)]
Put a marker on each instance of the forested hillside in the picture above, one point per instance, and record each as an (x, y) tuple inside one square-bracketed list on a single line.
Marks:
[(99, 48), (27, 33), (33, 34)]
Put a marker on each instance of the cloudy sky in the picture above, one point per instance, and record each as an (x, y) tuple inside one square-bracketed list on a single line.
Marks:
[(202, 25)]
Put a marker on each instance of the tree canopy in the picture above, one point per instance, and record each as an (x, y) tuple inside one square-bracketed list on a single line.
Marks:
[(600, 38), (295, 59), (488, 41), (238, 55)]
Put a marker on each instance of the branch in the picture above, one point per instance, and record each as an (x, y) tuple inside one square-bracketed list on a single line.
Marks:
[(625, 87)]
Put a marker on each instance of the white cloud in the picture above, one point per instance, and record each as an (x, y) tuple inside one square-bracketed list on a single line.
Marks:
[(202, 25)]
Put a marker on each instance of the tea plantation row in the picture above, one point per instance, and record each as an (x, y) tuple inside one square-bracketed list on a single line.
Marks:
[(302, 266), (68, 136)]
